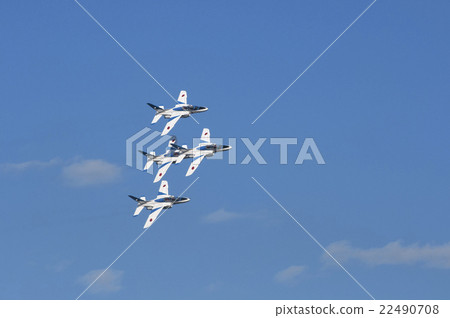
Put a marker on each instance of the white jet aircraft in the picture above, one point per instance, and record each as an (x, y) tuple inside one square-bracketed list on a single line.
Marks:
[(181, 110), (162, 201), (164, 161), (204, 149)]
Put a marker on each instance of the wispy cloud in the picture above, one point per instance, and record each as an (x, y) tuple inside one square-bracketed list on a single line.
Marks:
[(289, 275), (59, 266), (91, 172), (220, 216), (394, 253), (78, 173), (110, 281), (32, 164)]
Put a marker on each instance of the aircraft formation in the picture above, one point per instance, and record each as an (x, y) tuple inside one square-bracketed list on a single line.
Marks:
[(174, 154)]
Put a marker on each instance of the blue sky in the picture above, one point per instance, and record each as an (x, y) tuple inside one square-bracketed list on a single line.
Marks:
[(376, 105)]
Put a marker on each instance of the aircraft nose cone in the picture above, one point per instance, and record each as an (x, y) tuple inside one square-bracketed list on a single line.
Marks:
[(182, 200), (203, 109)]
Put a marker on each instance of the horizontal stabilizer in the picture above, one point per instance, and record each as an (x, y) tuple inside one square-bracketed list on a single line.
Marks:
[(150, 154), (148, 164), (156, 107), (140, 206), (138, 210), (156, 118), (138, 200), (176, 146)]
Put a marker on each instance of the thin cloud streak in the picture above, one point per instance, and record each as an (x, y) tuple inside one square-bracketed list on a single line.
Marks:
[(394, 253), (221, 216), (289, 275), (110, 281), (32, 164)]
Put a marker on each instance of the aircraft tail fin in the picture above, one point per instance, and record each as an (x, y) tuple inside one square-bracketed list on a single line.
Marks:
[(205, 138), (182, 98), (172, 141), (163, 188)]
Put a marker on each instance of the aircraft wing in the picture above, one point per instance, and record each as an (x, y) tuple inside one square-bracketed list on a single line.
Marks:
[(162, 170), (152, 217), (194, 165), (170, 125), (180, 158)]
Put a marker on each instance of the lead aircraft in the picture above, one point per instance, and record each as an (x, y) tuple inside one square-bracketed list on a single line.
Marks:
[(163, 201), (181, 110)]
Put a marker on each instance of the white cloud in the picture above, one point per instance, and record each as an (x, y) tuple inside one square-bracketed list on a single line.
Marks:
[(91, 172), (110, 281), (32, 164), (393, 253), (289, 275), (221, 216)]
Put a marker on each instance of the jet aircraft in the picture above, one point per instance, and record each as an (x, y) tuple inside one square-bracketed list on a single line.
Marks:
[(204, 149), (162, 201), (181, 110), (164, 161)]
